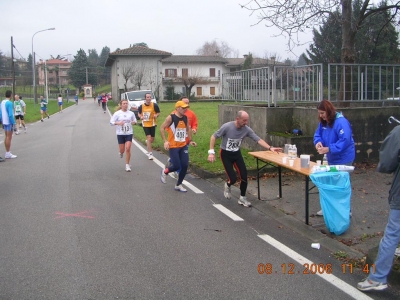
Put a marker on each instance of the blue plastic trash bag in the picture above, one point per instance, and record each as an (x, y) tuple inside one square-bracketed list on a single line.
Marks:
[(335, 193)]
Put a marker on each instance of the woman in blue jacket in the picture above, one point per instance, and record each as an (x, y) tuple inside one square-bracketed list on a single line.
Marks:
[(334, 136)]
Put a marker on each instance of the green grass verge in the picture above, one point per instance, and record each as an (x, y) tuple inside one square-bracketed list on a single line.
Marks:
[(207, 115), (33, 110)]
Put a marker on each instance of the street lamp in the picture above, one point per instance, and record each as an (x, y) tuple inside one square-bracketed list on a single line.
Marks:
[(33, 64)]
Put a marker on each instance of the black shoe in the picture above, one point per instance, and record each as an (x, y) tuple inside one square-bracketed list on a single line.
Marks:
[(48, 117), (2, 159), (41, 120)]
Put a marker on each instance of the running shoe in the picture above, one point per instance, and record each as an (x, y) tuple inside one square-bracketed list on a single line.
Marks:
[(180, 188), (2, 159), (128, 168), (320, 213), (25, 129), (17, 132), (121, 155), (227, 191), (10, 155), (151, 157), (368, 285), (48, 117), (41, 120), (163, 176), (243, 201)]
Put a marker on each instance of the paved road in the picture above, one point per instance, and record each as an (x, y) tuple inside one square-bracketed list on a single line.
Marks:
[(75, 225)]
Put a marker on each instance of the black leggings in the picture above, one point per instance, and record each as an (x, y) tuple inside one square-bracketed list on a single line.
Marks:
[(231, 160)]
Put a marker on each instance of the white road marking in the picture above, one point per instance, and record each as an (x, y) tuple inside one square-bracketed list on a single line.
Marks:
[(160, 164), (332, 279), (227, 212)]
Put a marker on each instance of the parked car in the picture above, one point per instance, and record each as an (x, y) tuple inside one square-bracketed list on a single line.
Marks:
[(136, 98)]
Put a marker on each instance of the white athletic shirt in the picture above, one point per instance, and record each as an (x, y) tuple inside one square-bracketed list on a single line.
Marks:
[(128, 117), (59, 99)]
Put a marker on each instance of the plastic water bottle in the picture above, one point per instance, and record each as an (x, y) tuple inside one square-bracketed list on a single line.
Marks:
[(325, 160), (294, 151)]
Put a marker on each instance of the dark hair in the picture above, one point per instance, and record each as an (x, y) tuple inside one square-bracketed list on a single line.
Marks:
[(330, 110), (20, 97), (183, 97), (8, 94), (59, 95)]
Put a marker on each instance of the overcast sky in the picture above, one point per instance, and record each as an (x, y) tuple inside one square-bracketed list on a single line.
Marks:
[(176, 26)]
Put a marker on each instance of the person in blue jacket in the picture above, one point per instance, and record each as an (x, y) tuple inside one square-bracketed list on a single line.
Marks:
[(334, 136)]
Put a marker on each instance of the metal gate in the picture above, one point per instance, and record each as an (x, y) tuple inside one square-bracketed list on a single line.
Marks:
[(361, 82), (274, 84)]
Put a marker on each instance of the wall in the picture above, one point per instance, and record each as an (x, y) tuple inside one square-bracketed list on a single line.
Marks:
[(152, 81), (197, 70), (369, 124)]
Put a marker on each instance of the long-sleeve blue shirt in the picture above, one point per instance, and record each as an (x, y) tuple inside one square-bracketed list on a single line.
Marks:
[(339, 139)]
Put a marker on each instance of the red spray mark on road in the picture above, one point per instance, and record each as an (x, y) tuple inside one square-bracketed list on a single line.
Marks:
[(82, 214)]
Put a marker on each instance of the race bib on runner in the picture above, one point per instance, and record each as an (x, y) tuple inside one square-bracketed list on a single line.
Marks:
[(127, 127), (233, 145), (180, 134), (18, 108), (146, 116)]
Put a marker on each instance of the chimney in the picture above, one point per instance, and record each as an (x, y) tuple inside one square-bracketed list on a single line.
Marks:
[(245, 55)]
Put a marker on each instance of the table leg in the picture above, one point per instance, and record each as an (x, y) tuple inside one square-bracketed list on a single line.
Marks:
[(280, 181), (258, 181), (307, 200)]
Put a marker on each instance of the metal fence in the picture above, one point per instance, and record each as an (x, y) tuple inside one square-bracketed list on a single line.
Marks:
[(274, 84), (361, 82)]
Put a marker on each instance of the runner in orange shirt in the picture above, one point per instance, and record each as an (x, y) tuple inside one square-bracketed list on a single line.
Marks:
[(192, 120)]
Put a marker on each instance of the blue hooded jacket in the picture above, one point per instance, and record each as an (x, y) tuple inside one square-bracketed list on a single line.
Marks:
[(339, 139)]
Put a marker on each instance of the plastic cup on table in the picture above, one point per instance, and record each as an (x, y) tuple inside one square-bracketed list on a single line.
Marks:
[(291, 162)]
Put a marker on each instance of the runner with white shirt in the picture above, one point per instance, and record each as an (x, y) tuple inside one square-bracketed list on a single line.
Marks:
[(123, 119), (20, 111)]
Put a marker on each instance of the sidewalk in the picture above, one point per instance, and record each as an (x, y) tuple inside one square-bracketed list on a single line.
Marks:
[(369, 205)]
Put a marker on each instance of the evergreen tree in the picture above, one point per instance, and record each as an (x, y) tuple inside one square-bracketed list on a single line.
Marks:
[(327, 41), (104, 73), (376, 42), (79, 67)]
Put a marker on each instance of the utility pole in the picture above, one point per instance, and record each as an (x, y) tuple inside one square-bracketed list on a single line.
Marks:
[(12, 66), (86, 77)]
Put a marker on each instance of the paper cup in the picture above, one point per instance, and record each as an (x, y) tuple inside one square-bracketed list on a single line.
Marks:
[(315, 245), (284, 159), (318, 162), (291, 162)]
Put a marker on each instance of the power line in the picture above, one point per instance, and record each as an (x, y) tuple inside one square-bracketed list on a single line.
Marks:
[(18, 52)]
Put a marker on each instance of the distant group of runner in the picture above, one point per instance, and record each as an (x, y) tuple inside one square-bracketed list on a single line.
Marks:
[(177, 131)]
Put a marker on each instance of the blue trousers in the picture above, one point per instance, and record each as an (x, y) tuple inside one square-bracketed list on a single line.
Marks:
[(387, 247), (179, 161)]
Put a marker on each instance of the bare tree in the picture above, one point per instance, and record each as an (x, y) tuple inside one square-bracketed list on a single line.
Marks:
[(192, 78), (127, 72), (294, 17), (214, 48), (140, 76)]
